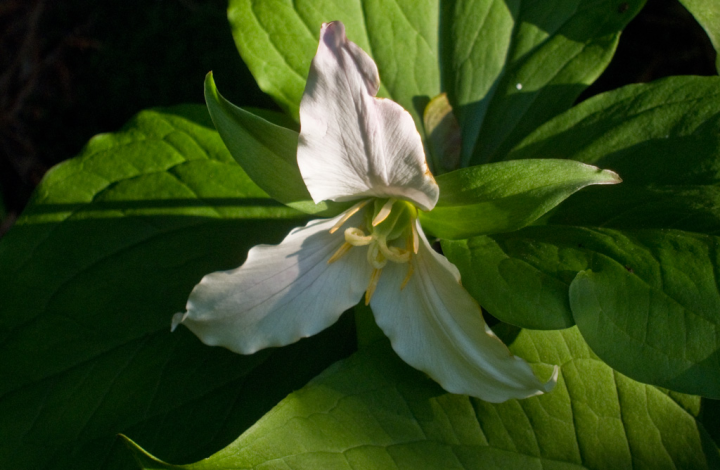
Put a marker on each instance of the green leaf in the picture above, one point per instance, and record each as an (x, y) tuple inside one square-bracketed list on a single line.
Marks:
[(646, 300), (708, 15), (517, 277), (662, 133), (278, 39), (267, 152), (372, 411), (109, 248), (693, 208), (668, 284), (553, 50), (509, 66), (662, 139), (506, 196)]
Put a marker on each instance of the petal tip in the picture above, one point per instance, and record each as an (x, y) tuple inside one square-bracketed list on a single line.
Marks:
[(550, 384), (332, 34), (177, 319)]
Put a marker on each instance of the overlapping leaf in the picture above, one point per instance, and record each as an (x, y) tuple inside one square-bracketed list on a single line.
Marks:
[(107, 251), (509, 66), (506, 65), (374, 412), (652, 238), (277, 40)]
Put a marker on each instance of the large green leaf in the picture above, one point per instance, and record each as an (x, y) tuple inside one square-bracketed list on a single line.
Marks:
[(663, 140), (109, 248), (509, 65), (517, 278), (646, 300), (374, 412), (655, 312), (277, 40), (506, 196), (708, 15), (654, 134)]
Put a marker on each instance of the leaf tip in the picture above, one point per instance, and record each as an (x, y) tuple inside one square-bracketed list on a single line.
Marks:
[(550, 384), (613, 178), (145, 461)]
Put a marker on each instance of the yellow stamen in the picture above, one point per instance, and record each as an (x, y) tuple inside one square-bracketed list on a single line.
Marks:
[(374, 278), (348, 213), (410, 272), (415, 238), (340, 252), (384, 212)]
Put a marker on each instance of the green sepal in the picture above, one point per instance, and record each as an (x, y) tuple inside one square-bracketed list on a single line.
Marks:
[(266, 151), (506, 196)]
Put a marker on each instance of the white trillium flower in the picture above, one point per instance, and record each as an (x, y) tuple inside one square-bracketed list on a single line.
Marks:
[(354, 146)]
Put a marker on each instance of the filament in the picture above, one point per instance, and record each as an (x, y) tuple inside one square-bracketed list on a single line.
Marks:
[(384, 212), (415, 241), (374, 278), (348, 213), (344, 248)]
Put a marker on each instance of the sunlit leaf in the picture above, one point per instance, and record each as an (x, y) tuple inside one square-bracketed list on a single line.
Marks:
[(374, 412), (277, 39), (646, 300), (509, 66)]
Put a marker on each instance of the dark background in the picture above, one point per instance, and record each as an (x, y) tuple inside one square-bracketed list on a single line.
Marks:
[(70, 69)]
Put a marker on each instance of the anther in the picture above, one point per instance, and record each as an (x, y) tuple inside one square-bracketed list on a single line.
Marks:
[(344, 248), (384, 212), (348, 213), (374, 278), (415, 240)]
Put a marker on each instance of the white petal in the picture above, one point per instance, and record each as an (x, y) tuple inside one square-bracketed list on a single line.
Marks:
[(352, 144), (437, 327), (281, 294)]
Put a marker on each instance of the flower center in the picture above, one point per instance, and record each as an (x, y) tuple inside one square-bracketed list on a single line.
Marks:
[(389, 233)]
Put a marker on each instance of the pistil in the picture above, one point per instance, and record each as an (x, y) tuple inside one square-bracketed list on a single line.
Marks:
[(389, 222)]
